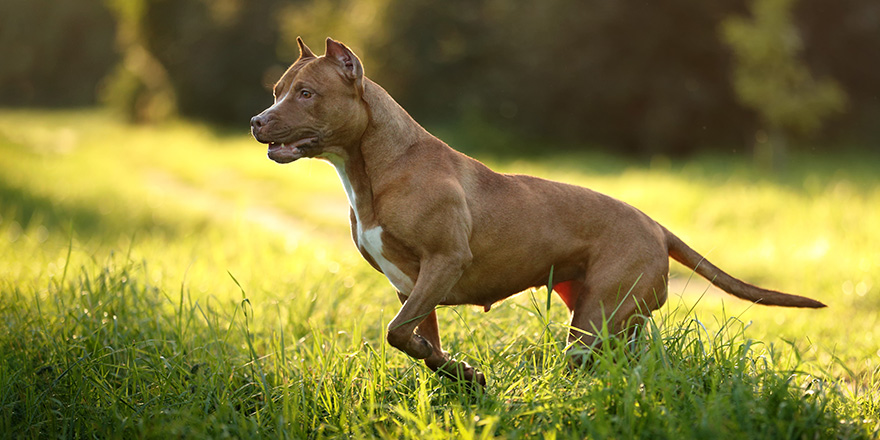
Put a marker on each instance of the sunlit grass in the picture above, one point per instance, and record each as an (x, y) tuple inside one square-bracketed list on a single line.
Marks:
[(173, 281)]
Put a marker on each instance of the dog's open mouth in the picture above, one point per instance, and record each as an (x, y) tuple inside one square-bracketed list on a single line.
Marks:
[(289, 152)]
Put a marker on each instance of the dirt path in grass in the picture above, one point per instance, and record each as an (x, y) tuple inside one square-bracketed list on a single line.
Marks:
[(693, 286), (216, 206)]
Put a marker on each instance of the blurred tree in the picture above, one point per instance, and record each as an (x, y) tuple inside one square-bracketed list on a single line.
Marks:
[(639, 77), (216, 52), (53, 53), (841, 40), (431, 55), (139, 87), (357, 23), (204, 59), (770, 78)]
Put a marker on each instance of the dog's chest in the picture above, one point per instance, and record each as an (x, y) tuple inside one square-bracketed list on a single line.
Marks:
[(370, 240)]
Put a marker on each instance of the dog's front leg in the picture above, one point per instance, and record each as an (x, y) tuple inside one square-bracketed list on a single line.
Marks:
[(418, 313), (436, 278)]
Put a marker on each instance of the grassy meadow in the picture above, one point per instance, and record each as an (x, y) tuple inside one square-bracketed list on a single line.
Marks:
[(173, 281)]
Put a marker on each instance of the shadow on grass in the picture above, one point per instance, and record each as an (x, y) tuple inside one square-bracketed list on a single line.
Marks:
[(33, 210)]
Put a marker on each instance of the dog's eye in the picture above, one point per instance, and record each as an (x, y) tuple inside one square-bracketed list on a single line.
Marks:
[(305, 94)]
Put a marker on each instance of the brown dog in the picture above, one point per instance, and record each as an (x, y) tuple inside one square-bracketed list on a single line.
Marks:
[(445, 229)]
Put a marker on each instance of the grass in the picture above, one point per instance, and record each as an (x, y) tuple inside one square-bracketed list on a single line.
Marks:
[(171, 281)]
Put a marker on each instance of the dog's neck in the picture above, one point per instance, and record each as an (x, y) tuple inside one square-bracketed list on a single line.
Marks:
[(390, 132)]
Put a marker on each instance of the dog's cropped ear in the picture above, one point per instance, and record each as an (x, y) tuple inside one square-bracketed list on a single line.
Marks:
[(348, 61), (304, 51)]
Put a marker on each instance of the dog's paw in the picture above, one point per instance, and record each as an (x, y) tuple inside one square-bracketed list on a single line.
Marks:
[(412, 344), (479, 378), (419, 347), (462, 372)]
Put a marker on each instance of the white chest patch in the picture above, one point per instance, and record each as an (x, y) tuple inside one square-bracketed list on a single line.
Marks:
[(371, 239)]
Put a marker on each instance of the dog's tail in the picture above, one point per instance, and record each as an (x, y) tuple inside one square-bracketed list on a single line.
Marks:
[(682, 253)]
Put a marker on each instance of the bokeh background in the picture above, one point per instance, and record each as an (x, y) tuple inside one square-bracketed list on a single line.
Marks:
[(642, 78), (161, 278)]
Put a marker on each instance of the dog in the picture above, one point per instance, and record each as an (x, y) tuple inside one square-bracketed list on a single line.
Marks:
[(445, 229)]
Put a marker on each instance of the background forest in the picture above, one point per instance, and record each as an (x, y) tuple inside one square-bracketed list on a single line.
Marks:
[(668, 77), (161, 278)]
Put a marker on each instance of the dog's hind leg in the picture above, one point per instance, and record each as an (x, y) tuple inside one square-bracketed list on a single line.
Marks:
[(618, 297)]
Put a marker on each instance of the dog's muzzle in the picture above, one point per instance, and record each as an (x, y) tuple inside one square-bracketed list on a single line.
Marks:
[(289, 152)]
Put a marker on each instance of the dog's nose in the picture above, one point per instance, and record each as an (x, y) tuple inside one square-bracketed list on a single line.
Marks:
[(257, 122)]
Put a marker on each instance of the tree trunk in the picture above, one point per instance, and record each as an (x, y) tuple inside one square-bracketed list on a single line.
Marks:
[(771, 150)]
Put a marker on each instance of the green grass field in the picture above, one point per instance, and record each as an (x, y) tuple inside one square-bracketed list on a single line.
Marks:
[(172, 281)]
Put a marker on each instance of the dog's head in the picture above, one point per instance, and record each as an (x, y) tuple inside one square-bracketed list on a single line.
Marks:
[(319, 109)]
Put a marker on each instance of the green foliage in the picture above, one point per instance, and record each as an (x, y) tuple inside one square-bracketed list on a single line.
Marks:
[(119, 317), (649, 77), (642, 78), (357, 23), (629, 75), (840, 40), (54, 53), (216, 53), (139, 87), (769, 75)]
